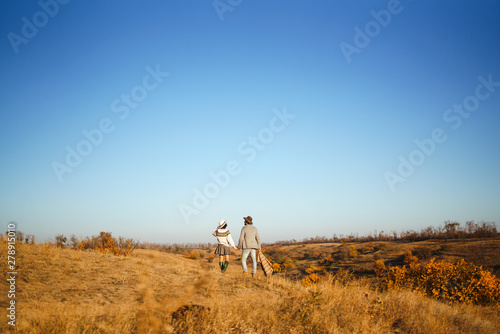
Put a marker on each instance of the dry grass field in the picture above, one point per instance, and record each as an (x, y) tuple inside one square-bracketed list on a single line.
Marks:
[(360, 257), (68, 291)]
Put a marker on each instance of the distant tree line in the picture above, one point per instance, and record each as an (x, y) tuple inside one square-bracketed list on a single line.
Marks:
[(105, 241), (450, 230)]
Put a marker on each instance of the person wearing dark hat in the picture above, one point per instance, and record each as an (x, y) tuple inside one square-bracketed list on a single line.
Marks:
[(224, 240), (249, 243)]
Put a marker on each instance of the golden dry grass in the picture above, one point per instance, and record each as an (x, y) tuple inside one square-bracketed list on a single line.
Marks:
[(481, 252), (67, 291)]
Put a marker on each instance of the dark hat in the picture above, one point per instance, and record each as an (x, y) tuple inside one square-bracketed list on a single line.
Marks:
[(248, 219)]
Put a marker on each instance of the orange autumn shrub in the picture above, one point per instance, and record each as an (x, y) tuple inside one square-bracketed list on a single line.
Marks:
[(379, 268), (313, 269), (353, 250), (451, 282), (312, 275), (327, 259), (105, 243), (191, 255), (311, 279), (410, 258)]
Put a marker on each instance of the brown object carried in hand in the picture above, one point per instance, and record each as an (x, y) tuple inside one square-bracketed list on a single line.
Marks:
[(266, 264)]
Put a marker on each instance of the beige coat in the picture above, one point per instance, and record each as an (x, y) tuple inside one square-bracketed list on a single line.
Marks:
[(249, 238)]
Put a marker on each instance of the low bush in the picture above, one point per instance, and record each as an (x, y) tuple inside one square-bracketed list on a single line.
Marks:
[(105, 243), (191, 255), (380, 268), (451, 282)]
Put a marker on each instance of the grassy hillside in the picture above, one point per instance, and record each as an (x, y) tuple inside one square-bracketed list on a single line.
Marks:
[(360, 257), (68, 291)]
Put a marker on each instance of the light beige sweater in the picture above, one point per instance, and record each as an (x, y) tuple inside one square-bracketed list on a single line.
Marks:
[(249, 238)]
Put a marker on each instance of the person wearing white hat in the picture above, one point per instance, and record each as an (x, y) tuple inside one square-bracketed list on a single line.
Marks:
[(224, 240)]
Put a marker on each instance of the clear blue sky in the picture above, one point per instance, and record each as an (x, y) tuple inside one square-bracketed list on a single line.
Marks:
[(118, 116)]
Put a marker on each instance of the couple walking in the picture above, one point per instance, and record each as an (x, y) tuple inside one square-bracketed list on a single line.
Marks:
[(249, 243)]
